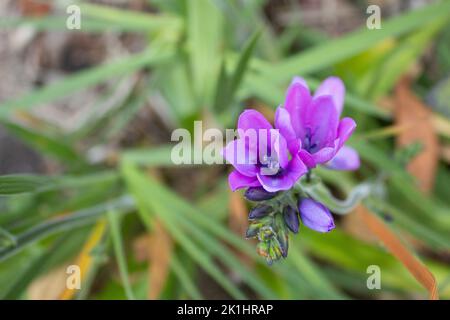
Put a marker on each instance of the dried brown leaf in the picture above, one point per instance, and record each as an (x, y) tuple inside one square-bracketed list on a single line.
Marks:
[(49, 286), (398, 250), (411, 111), (238, 221), (34, 8), (160, 247)]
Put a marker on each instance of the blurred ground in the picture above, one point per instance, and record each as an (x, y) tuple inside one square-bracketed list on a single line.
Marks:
[(31, 59)]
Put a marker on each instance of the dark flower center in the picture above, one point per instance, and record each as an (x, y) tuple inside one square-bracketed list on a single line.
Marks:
[(309, 143), (270, 166)]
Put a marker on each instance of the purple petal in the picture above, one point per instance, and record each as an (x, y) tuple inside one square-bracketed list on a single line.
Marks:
[(241, 157), (325, 154), (345, 130), (286, 179), (307, 158), (316, 216), (283, 123), (322, 121), (334, 87), (279, 145), (297, 95), (255, 130), (252, 119), (300, 80), (238, 181), (297, 103), (346, 158)]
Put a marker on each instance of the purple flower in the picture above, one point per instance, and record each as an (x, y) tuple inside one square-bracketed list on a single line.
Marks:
[(260, 155), (316, 216), (311, 123)]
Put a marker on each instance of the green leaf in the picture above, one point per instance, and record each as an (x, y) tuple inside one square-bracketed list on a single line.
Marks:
[(156, 156), (185, 279), (21, 183), (228, 85), (313, 274), (119, 252), (34, 268), (26, 183), (204, 36), (58, 148), (64, 223), (7, 239), (131, 20)]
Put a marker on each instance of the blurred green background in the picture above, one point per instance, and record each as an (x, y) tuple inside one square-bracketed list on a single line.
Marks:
[(86, 118)]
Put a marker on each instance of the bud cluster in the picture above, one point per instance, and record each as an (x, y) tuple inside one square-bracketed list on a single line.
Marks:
[(271, 221), (279, 213)]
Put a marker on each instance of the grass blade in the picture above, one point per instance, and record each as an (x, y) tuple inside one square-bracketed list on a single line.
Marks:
[(59, 224), (114, 224)]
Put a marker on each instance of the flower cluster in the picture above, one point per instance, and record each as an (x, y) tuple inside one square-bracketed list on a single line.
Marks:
[(271, 161)]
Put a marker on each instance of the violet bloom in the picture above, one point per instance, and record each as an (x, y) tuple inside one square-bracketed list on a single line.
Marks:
[(260, 156), (313, 123), (315, 215)]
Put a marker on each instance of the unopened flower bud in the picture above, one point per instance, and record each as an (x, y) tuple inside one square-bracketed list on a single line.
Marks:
[(282, 234), (316, 216), (259, 212), (252, 230), (259, 194), (291, 218)]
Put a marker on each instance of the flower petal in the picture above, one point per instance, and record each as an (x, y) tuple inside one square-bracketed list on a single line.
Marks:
[(334, 87), (345, 130), (284, 124), (323, 155), (300, 80), (322, 122), (297, 95), (346, 158), (316, 216), (238, 181), (307, 158), (243, 158), (297, 103), (252, 119), (279, 145)]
